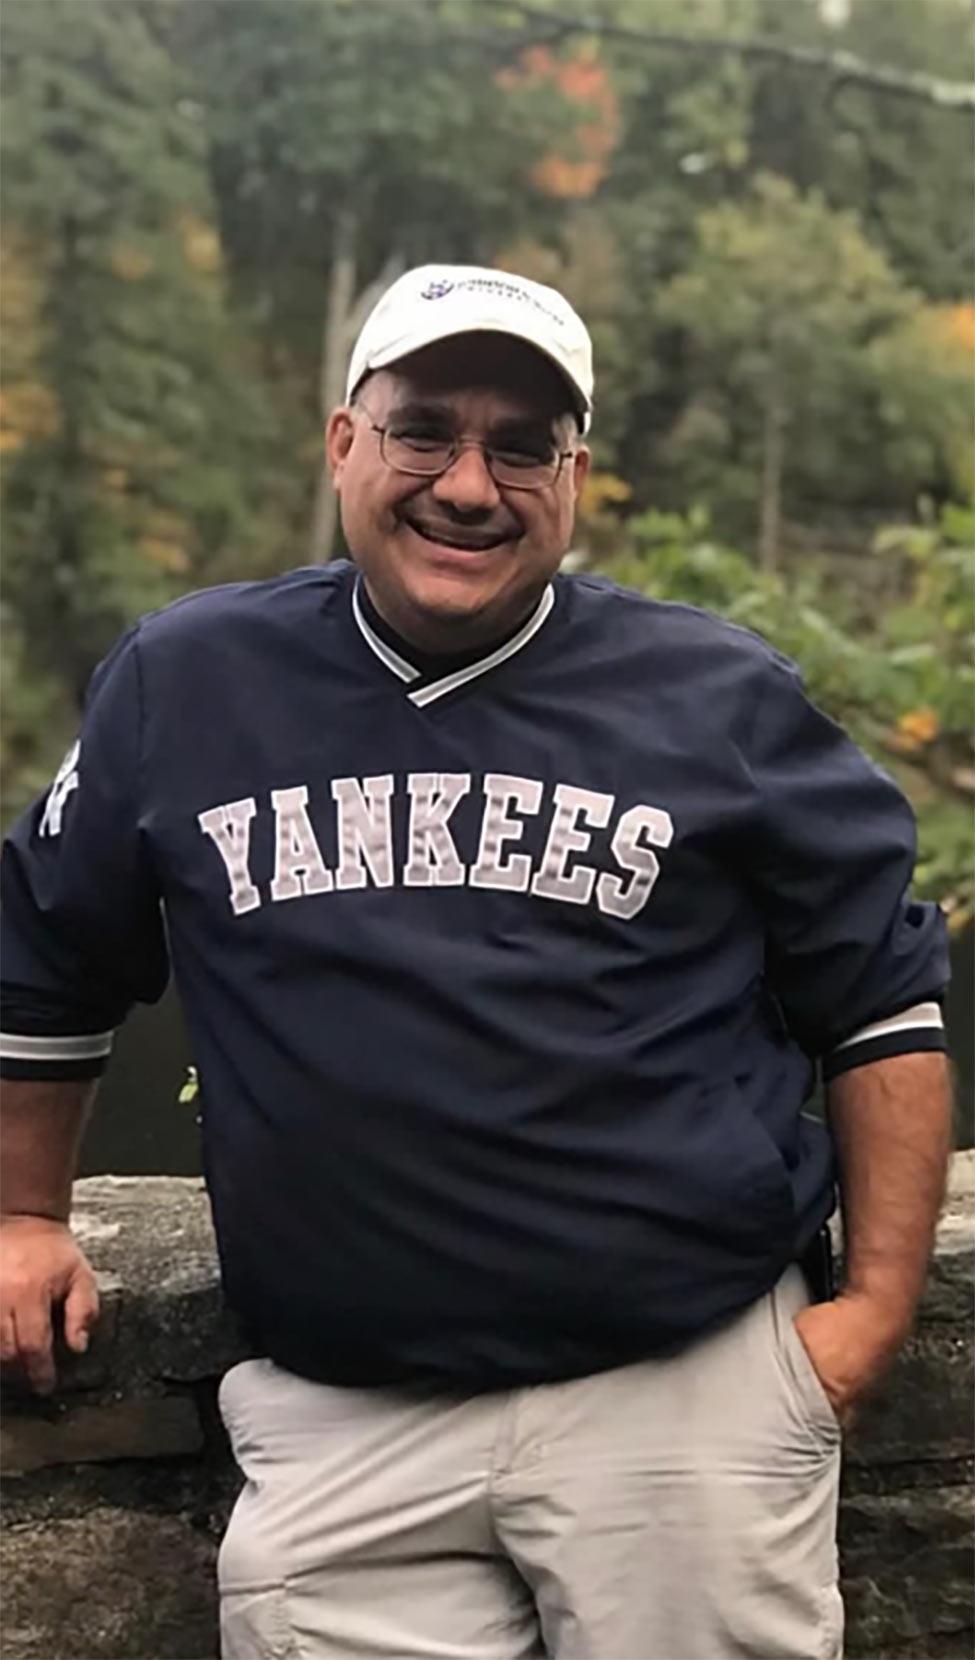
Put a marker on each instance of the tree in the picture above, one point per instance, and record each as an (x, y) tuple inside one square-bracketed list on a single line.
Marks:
[(780, 302), (132, 425), (920, 440), (350, 141), (906, 168), (696, 127)]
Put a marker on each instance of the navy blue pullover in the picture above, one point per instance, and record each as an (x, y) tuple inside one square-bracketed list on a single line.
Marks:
[(507, 986)]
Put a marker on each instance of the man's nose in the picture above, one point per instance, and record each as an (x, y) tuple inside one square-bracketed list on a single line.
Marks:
[(467, 483)]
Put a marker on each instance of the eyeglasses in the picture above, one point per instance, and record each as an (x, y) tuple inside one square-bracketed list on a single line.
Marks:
[(422, 452)]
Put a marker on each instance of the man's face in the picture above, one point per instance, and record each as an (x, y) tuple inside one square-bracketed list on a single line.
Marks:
[(455, 560)]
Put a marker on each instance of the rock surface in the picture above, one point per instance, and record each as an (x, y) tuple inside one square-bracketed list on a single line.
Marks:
[(113, 1582), (117, 1491)]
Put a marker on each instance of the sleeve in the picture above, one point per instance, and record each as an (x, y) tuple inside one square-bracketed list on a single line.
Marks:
[(858, 966), (82, 927)]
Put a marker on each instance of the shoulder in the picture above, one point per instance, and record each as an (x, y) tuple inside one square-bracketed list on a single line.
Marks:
[(213, 615), (671, 631)]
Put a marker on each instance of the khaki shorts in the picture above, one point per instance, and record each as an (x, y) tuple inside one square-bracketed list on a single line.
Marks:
[(679, 1509)]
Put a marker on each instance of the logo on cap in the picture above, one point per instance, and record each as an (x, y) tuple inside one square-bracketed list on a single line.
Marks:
[(436, 290)]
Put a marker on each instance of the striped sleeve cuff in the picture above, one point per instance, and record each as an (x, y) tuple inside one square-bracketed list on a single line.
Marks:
[(918, 1028), (64, 1055)]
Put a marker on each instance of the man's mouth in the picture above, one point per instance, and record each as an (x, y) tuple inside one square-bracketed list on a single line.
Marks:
[(465, 539)]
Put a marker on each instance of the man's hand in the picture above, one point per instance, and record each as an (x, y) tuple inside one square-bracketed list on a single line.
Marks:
[(41, 1268), (851, 1343)]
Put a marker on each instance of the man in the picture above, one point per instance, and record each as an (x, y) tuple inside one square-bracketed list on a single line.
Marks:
[(510, 912)]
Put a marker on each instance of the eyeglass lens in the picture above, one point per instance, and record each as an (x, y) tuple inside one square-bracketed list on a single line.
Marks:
[(423, 456)]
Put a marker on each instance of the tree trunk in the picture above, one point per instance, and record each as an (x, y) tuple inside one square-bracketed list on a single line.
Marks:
[(331, 378), (773, 457), (345, 314)]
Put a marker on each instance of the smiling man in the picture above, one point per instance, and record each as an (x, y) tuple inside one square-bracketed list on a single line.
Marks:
[(459, 470), (513, 916)]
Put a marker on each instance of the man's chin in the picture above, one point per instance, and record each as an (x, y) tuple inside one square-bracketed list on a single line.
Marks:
[(446, 599), (449, 601), (451, 581), (447, 613)]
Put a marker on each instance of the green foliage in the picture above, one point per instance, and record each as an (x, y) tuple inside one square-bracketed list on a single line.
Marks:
[(390, 118), (136, 480), (782, 281), (792, 316), (699, 132), (929, 635), (877, 157), (922, 374)]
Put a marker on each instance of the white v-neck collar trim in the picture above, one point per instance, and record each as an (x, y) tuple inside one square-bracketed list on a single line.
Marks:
[(434, 689), (385, 653)]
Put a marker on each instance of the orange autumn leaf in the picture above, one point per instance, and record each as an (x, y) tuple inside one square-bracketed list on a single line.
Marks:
[(950, 326), (959, 321), (918, 727), (570, 180)]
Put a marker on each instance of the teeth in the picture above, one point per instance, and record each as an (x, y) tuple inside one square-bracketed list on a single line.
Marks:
[(443, 539)]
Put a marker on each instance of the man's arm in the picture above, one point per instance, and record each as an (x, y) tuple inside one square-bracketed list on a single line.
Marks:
[(41, 1266), (892, 1126), (83, 940)]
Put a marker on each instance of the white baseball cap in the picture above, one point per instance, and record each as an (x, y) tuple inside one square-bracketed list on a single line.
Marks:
[(433, 302)]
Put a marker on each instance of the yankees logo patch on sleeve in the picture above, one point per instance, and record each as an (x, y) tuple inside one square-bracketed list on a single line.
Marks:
[(65, 781)]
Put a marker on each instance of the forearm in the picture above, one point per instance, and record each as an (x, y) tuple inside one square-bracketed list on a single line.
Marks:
[(41, 1126), (891, 1123)]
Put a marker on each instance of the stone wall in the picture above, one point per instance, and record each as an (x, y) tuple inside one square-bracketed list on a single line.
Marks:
[(117, 1491)]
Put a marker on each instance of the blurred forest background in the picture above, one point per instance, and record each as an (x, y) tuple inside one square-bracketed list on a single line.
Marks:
[(763, 209)]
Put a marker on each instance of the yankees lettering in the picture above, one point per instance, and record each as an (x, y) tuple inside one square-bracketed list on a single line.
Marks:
[(364, 835)]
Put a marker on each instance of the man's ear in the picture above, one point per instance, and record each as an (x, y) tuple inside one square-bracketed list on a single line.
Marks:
[(580, 468), (339, 433)]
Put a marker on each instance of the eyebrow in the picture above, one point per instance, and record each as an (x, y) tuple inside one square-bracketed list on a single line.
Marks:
[(509, 426)]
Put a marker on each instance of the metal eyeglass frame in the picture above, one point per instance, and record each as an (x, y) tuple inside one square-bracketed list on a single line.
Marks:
[(456, 445)]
